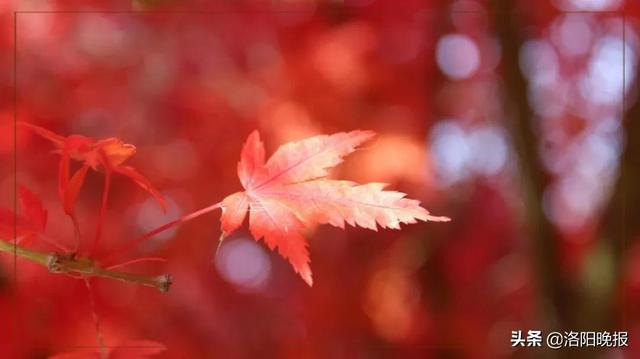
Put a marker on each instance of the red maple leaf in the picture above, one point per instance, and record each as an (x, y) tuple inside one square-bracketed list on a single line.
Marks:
[(31, 221), (290, 191), (109, 154)]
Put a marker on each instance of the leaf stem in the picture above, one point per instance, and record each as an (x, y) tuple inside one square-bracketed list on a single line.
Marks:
[(76, 231), (32, 256), (136, 242), (103, 209), (85, 267), (54, 243), (96, 320)]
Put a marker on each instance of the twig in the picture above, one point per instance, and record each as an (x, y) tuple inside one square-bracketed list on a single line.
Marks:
[(76, 231), (96, 320), (84, 267)]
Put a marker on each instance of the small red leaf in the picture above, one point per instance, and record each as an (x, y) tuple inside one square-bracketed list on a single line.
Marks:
[(109, 153), (32, 209), (115, 150), (42, 132), (32, 219)]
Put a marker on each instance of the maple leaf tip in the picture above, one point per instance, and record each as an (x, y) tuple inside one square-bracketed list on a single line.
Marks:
[(365, 135), (254, 133), (438, 218), (307, 279)]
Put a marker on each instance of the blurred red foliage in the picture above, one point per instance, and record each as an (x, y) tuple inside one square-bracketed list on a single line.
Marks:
[(186, 82)]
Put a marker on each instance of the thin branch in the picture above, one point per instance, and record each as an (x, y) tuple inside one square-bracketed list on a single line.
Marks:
[(96, 319), (136, 242), (54, 243), (84, 267), (76, 231)]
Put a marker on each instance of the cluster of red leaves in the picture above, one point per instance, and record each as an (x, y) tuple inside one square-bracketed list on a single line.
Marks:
[(107, 154), (30, 223), (284, 194)]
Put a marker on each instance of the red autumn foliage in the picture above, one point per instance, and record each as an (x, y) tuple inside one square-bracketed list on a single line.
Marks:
[(108, 155), (186, 86), (291, 190), (283, 195), (31, 221)]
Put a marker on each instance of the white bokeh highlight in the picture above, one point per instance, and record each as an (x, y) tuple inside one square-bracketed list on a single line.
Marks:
[(460, 153), (149, 216), (539, 61), (603, 80), (588, 5), (573, 34), (457, 56), (244, 263)]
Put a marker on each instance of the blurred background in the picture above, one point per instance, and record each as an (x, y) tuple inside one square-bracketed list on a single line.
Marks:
[(517, 119)]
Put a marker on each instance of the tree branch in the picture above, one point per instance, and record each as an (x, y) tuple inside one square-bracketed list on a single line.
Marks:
[(69, 263), (620, 220), (533, 176)]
